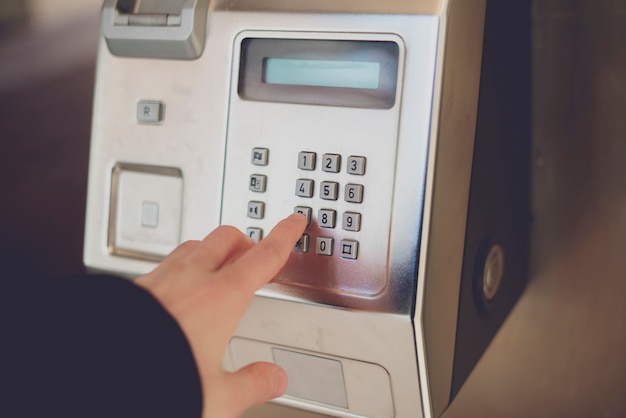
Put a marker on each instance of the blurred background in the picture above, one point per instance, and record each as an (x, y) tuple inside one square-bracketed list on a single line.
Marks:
[(561, 353)]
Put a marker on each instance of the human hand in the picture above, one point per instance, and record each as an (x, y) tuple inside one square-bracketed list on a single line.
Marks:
[(207, 286)]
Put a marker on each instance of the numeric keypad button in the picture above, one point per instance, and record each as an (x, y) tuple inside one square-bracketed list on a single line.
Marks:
[(306, 160), (306, 211), (324, 246), (329, 190), (331, 163), (326, 218), (351, 221), (356, 165), (354, 193), (304, 188)]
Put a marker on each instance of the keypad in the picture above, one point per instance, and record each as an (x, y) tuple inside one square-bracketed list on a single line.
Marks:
[(330, 190)]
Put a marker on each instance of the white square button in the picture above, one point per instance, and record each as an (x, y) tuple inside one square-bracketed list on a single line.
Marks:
[(146, 211), (150, 214)]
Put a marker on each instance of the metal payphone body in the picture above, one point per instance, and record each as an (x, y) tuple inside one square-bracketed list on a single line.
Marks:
[(371, 118)]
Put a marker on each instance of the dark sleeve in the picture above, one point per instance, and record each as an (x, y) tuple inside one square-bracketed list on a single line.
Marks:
[(96, 346)]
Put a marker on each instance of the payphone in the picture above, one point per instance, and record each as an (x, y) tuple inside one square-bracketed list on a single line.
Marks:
[(399, 128)]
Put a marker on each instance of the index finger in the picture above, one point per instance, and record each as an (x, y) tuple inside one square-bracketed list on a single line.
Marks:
[(262, 262)]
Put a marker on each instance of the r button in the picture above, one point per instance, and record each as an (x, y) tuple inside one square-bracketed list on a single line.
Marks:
[(150, 112)]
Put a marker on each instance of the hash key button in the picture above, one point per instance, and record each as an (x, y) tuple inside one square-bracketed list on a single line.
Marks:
[(349, 249)]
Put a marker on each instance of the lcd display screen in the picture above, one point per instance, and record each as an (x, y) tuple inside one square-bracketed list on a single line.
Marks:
[(347, 73), (322, 73)]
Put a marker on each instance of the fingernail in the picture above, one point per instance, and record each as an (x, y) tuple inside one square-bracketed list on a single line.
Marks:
[(297, 215)]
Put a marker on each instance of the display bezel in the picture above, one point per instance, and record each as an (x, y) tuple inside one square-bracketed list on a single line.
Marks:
[(255, 51)]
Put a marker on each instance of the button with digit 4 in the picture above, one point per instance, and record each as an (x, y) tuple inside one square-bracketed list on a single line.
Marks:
[(304, 188)]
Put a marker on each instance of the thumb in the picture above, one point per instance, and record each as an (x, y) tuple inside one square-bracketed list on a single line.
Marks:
[(257, 383)]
